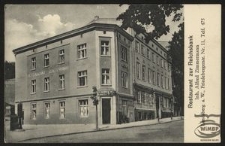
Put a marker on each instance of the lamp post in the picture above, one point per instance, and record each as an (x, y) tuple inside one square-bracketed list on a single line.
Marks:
[(95, 102)]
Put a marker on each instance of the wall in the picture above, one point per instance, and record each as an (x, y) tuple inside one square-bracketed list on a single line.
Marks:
[(72, 112)]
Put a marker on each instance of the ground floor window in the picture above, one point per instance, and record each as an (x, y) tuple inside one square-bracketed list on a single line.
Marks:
[(62, 109), (33, 111), (139, 97), (144, 115), (151, 99), (47, 110), (124, 107), (83, 108)]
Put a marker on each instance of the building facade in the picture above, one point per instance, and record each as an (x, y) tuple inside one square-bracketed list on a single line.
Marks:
[(55, 76)]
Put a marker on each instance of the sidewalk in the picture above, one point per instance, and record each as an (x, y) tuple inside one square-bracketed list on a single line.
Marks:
[(41, 131)]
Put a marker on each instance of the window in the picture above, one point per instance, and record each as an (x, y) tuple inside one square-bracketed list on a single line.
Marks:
[(151, 99), (61, 82), (125, 40), (162, 63), (139, 97), (164, 102), (153, 57), (62, 109), (149, 75), (158, 79), (165, 82), (33, 63), (153, 77), (168, 67), (148, 54), (143, 99), (83, 108), (33, 86), (143, 72), (124, 53), (82, 78), (146, 98), (168, 83), (165, 65), (105, 77), (47, 110), (124, 107), (162, 84), (33, 111), (157, 59), (46, 84), (61, 56), (105, 48), (81, 51), (119, 36), (142, 50), (138, 70), (170, 103), (137, 47), (46, 60), (124, 79)]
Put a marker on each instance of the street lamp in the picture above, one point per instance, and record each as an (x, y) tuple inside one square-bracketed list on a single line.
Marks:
[(94, 97)]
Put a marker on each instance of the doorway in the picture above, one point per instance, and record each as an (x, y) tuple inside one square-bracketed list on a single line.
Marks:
[(157, 106), (106, 110)]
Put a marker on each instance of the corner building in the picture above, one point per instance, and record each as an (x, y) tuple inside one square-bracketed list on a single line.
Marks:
[(55, 76)]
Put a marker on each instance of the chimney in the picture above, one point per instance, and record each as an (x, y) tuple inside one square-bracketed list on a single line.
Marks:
[(96, 18)]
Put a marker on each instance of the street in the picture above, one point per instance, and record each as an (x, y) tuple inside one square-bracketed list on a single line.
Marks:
[(160, 133)]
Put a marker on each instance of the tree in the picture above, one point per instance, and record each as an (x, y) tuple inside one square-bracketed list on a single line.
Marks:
[(140, 16), (9, 72), (176, 51)]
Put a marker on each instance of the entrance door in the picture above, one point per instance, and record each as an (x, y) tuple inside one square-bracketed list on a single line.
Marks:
[(106, 108), (157, 106)]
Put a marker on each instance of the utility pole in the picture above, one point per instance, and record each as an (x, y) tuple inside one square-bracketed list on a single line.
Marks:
[(95, 102)]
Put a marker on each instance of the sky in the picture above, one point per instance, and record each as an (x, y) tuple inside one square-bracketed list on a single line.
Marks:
[(25, 24)]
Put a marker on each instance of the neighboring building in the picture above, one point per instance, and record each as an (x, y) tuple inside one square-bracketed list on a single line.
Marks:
[(152, 79), (9, 96), (58, 73)]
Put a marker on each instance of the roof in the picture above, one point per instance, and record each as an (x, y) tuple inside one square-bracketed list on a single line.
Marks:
[(106, 21), (165, 44), (91, 26)]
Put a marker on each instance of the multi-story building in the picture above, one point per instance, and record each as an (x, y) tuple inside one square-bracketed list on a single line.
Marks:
[(152, 84), (55, 76)]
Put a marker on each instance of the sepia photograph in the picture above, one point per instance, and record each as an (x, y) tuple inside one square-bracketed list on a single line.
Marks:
[(94, 73)]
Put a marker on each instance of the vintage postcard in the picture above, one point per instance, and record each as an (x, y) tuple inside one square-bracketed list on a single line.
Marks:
[(110, 73)]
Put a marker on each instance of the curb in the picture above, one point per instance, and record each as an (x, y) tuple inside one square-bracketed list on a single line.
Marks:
[(81, 132)]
